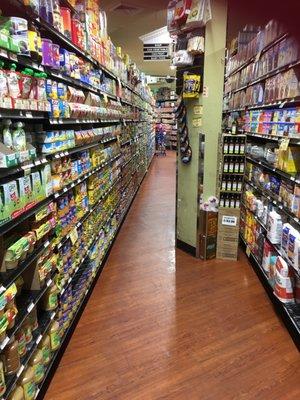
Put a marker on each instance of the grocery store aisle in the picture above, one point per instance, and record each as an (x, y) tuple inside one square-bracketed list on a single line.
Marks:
[(162, 325)]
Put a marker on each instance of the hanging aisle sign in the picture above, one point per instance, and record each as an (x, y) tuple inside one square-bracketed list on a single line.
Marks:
[(156, 52)]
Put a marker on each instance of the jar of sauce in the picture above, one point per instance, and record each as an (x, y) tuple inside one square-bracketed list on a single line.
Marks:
[(38, 367), (54, 336), (28, 384), (11, 357), (45, 346), (17, 394)]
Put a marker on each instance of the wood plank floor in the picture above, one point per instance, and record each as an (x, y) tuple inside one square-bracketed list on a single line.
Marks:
[(161, 325)]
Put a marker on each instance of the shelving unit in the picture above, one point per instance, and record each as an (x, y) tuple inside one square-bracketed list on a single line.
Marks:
[(261, 99), (166, 109), (231, 171), (89, 167)]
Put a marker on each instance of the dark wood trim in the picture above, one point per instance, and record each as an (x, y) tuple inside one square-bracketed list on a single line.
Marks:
[(186, 247)]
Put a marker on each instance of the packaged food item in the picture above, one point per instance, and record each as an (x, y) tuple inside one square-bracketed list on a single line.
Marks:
[(283, 289), (13, 82), (26, 327), (6, 133), (66, 21), (2, 380), (47, 52), (11, 313), (50, 298), (28, 384), (21, 339), (54, 336), (17, 394), (11, 357), (285, 237), (19, 137), (38, 367), (3, 81), (45, 346), (274, 227)]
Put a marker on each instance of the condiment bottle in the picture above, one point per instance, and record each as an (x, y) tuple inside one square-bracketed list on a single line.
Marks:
[(11, 357), (2, 380), (50, 300), (38, 367), (45, 346), (17, 394), (27, 331), (32, 319), (28, 384), (54, 336), (20, 336)]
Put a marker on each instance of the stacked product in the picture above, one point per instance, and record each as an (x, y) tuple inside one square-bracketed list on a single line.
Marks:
[(75, 143), (262, 100), (166, 109)]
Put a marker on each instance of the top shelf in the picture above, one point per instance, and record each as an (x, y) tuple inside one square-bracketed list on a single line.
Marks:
[(257, 56), (63, 40)]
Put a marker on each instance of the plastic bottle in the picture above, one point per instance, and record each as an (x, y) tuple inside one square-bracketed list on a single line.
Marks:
[(28, 384), (45, 346), (225, 149), (21, 339), (38, 367), (2, 380), (50, 300), (54, 336), (7, 136), (11, 357), (17, 394), (19, 137)]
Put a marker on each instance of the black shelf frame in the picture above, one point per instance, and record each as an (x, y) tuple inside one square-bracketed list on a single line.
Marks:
[(59, 353), (289, 313)]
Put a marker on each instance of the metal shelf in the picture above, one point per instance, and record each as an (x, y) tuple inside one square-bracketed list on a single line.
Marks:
[(253, 58), (290, 313)]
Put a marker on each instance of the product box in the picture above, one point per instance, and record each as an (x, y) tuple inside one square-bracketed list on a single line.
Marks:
[(208, 228), (10, 204), (8, 158), (228, 233)]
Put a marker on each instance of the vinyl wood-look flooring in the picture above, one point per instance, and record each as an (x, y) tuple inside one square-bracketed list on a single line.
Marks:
[(161, 325)]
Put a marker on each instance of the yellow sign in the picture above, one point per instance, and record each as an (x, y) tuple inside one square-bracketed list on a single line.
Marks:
[(197, 122), (198, 110)]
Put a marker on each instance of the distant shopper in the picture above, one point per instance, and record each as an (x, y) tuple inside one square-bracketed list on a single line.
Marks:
[(160, 139)]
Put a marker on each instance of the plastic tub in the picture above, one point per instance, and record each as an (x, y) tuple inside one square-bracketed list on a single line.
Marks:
[(66, 21), (55, 56), (47, 52)]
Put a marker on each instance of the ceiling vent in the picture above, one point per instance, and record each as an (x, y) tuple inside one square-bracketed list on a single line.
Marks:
[(127, 9)]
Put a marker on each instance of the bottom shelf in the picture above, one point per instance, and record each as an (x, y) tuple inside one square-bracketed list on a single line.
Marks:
[(56, 356), (290, 313)]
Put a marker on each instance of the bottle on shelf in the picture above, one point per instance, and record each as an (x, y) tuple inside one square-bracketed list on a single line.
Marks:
[(234, 185), (225, 166), (231, 166), (225, 147), (231, 146), (227, 201)]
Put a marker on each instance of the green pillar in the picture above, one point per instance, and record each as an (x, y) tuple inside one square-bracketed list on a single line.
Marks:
[(211, 100)]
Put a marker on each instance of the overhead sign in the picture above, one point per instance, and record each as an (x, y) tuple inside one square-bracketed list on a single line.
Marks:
[(156, 52)]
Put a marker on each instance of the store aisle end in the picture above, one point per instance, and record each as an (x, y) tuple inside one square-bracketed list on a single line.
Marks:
[(162, 325)]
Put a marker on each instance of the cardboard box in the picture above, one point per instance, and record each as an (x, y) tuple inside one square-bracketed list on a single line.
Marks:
[(207, 247), (228, 233), (208, 228)]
